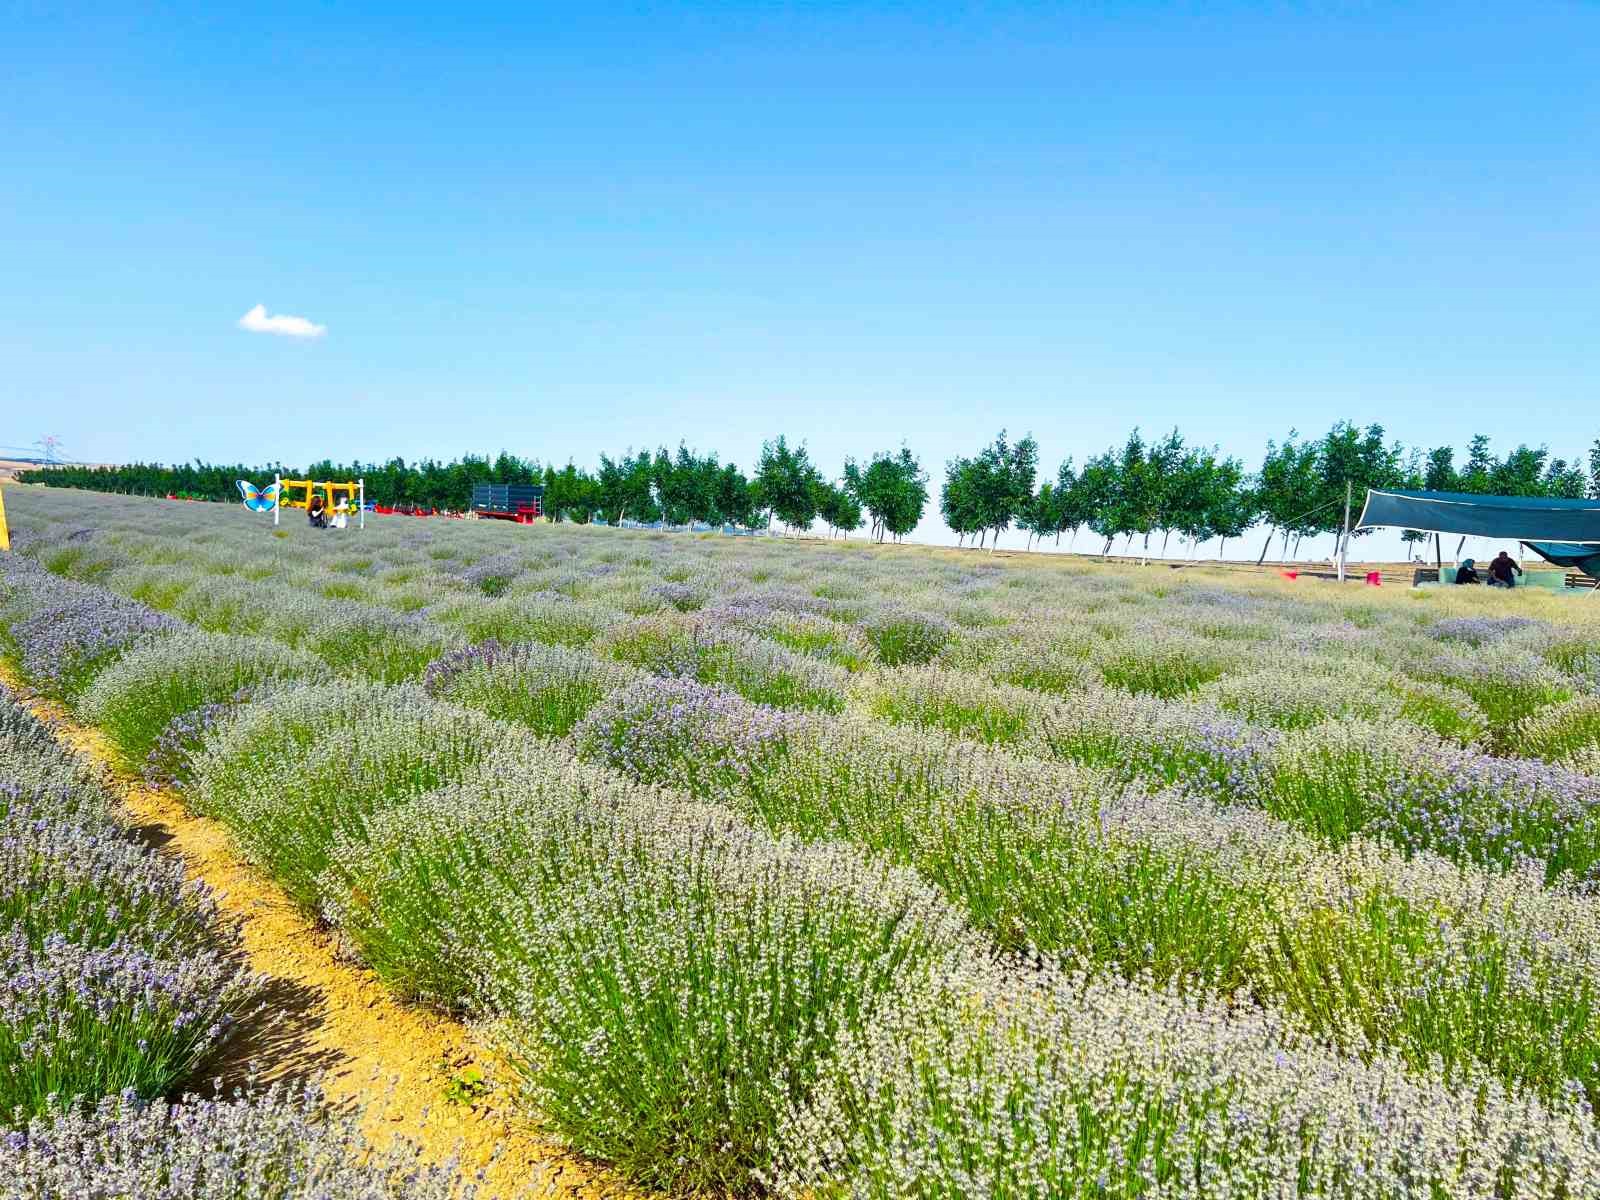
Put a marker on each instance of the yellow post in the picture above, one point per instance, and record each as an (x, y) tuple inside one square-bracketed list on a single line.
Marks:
[(5, 533)]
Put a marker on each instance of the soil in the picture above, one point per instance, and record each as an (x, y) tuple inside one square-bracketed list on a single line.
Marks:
[(328, 1017)]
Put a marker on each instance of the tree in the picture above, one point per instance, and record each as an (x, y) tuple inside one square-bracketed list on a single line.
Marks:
[(1287, 490), (786, 484), (1173, 473), (624, 489), (1565, 481), (958, 501), (1349, 461), (1097, 496), (1520, 473), (1231, 505), (1415, 475), (1039, 517), (1137, 496), (734, 498), (1478, 475), (1439, 473), (1001, 482), (840, 509), (893, 489)]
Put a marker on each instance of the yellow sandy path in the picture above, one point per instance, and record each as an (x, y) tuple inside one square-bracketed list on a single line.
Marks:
[(329, 1016)]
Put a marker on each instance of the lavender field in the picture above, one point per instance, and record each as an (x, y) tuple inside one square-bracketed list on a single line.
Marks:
[(818, 868)]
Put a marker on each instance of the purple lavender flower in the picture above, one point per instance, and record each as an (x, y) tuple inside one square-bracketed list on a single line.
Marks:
[(278, 1144), (493, 575), (72, 1019), (681, 596), (64, 630), (906, 638), (1478, 631), (169, 761), (704, 739)]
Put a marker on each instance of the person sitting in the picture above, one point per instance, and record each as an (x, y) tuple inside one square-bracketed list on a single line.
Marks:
[(1467, 572), (1503, 571), (317, 512)]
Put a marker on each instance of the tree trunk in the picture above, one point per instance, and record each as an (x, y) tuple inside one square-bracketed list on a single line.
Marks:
[(1297, 546), (1105, 550), (1265, 548), (1222, 550), (1460, 544), (1165, 534)]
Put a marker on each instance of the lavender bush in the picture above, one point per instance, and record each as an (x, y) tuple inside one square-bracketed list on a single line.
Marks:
[(41, 778), (906, 638), (136, 699), (1561, 731), (76, 1021), (534, 617), (293, 772), (549, 689), (273, 1144), (689, 648), (675, 731), (96, 887), (1000, 1082), (64, 632), (648, 956), (1395, 782)]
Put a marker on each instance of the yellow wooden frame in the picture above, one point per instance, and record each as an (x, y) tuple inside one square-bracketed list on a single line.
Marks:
[(331, 492)]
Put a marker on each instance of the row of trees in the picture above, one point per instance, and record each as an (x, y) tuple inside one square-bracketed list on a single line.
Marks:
[(1142, 488), (1135, 491), (678, 488), (1167, 486)]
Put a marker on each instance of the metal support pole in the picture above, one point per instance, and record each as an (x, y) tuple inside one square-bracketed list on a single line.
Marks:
[(1344, 544), (361, 519), (277, 508)]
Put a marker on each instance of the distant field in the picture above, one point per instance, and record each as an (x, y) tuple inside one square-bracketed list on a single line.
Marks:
[(824, 868)]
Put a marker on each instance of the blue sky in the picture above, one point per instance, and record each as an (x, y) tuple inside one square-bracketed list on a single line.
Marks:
[(567, 230)]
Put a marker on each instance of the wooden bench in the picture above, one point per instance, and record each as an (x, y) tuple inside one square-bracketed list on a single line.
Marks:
[(1546, 578)]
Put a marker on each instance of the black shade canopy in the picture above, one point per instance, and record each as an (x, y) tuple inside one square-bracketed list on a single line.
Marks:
[(1532, 519)]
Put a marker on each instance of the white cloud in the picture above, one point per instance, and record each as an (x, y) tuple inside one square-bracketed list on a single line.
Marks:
[(257, 321)]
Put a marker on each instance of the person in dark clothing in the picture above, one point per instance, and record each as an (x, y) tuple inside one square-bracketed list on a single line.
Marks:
[(317, 512), (1503, 571), (1467, 572)]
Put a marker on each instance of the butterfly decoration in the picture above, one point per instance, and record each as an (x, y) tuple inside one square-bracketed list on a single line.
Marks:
[(258, 500)]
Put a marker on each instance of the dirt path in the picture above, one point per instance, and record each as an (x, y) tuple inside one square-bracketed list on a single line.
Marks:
[(327, 1016)]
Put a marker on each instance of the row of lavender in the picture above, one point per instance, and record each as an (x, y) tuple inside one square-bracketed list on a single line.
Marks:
[(1381, 722), (117, 974), (405, 593), (117, 980), (619, 933)]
